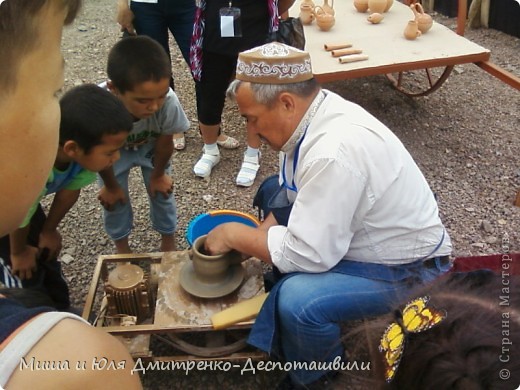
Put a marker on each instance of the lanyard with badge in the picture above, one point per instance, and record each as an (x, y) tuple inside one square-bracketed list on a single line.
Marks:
[(230, 22), (292, 187)]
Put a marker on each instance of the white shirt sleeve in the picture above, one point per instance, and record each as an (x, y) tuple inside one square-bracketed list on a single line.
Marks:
[(331, 196)]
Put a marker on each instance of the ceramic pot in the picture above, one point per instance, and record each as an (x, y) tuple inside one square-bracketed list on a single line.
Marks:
[(389, 4), (306, 14), (411, 30), (377, 6), (308, 2), (328, 8), (324, 20), (375, 18), (211, 268), (424, 20), (361, 5)]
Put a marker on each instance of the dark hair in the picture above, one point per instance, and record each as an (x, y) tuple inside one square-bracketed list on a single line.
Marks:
[(471, 348), (135, 60), (27, 297), (19, 33), (89, 112)]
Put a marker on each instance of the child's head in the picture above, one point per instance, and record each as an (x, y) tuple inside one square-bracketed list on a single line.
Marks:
[(94, 126), (475, 347), (139, 72), (31, 73)]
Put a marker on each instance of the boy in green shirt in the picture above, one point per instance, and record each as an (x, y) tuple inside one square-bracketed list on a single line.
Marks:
[(94, 125)]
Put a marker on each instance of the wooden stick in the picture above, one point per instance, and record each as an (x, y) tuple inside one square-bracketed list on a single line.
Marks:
[(330, 46), (352, 58), (345, 52)]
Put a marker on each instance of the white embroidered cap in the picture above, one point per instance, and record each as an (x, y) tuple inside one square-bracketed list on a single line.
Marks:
[(274, 63)]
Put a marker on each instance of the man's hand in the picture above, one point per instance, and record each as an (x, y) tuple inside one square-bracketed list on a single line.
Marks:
[(108, 198), (216, 241), (161, 184), (23, 264), (125, 17), (50, 239)]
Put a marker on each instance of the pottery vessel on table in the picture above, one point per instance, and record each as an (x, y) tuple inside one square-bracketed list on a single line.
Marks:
[(324, 20), (328, 8), (389, 4), (375, 18), (306, 13), (377, 6), (424, 20), (361, 5), (411, 30)]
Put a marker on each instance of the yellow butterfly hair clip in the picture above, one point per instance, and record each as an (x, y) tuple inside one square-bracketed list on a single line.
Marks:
[(416, 317)]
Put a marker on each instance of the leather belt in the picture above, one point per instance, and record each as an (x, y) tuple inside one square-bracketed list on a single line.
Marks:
[(430, 263)]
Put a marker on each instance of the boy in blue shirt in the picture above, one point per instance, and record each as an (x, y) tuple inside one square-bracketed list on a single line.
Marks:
[(139, 74), (94, 125)]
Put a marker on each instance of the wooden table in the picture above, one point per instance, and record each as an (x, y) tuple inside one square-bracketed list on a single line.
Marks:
[(390, 53)]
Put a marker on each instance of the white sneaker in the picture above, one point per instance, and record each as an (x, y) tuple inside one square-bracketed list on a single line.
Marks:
[(247, 175), (205, 165)]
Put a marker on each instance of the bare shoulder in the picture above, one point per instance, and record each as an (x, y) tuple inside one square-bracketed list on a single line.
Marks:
[(75, 355)]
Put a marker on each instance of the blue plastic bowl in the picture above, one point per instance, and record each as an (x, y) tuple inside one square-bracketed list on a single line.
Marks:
[(203, 223)]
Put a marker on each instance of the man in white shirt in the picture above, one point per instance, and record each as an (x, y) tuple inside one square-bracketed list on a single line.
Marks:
[(353, 223)]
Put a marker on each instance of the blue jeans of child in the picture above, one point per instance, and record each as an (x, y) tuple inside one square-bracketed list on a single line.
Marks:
[(312, 306), (163, 211), (154, 20)]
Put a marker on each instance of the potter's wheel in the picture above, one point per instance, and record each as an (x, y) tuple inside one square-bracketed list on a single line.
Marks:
[(193, 285)]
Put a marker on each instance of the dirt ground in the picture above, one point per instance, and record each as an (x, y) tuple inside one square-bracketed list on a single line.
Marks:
[(464, 137)]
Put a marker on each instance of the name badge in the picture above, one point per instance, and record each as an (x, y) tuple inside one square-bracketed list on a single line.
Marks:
[(230, 26)]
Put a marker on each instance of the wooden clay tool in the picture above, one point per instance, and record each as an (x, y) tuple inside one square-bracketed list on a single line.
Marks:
[(352, 58), (345, 52), (336, 46)]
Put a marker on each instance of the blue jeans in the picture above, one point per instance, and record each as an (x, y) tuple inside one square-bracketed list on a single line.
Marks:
[(154, 20), (310, 307), (163, 211)]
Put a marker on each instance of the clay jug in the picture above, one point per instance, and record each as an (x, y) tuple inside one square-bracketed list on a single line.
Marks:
[(375, 18), (412, 30), (328, 8), (307, 2), (377, 6), (306, 13), (424, 20), (389, 4), (324, 20), (361, 5)]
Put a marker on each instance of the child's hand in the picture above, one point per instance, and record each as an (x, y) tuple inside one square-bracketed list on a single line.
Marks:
[(23, 264), (109, 197), (50, 239), (161, 184)]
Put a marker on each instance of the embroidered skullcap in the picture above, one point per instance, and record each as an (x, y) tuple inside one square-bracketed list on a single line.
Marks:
[(274, 63)]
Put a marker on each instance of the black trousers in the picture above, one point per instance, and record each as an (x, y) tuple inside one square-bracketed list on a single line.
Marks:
[(48, 279)]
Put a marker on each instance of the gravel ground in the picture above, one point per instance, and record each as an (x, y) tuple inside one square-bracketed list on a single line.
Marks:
[(464, 137)]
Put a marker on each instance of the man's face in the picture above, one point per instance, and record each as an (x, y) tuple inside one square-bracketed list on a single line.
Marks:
[(273, 124), (30, 119), (104, 155), (145, 99)]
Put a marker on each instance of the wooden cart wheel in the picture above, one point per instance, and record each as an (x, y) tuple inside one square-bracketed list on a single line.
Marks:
[(210, 345), (421, 82)]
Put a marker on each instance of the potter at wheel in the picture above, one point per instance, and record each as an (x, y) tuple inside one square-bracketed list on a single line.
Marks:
[(211, 276)]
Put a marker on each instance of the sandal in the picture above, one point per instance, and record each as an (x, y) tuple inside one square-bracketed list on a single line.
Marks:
[(179, 143), (205, 165), (229, 143), (247, 175)]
